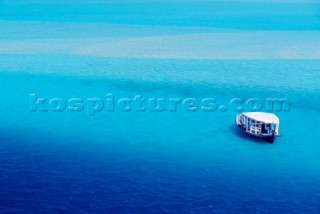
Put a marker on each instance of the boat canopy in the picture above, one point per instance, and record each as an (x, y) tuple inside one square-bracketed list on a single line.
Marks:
[(263, 117)]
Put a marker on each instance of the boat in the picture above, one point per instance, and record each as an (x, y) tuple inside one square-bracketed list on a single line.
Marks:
[(259, 124)]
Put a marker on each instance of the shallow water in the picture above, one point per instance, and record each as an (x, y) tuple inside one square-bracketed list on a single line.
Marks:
[(162, 162)]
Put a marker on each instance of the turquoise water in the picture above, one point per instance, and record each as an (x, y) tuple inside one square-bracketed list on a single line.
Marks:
[(158, 162)]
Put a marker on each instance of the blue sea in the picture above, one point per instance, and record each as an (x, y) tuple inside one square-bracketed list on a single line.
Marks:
[(167, 161)]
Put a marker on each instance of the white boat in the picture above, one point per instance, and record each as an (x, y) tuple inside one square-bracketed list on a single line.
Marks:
[(259, 124)]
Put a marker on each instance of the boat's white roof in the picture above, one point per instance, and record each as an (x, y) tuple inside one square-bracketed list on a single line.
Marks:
[(263, 117)]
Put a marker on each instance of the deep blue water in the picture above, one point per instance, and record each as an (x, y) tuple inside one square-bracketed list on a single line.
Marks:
[(156, 162)]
